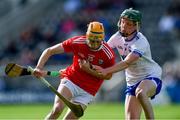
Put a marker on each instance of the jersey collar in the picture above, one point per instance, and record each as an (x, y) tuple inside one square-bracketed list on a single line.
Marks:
[(126, 40)]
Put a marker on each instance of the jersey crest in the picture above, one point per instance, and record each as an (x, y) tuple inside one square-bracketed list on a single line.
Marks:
[(101, 61)]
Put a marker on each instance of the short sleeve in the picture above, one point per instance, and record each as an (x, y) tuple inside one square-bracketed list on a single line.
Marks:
[(140, 47), (68, 44)]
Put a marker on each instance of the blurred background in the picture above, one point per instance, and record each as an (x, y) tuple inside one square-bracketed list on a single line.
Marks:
[(27, 27)]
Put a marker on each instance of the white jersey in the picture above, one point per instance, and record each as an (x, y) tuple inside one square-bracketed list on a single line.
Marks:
[(142, 68)]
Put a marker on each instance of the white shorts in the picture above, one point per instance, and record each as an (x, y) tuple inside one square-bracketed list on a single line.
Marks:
[(79, 95)]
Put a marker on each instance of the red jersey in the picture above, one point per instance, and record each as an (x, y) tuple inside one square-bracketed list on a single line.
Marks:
[(103, 57)]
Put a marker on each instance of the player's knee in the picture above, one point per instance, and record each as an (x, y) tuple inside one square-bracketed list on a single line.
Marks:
[(140, 93)]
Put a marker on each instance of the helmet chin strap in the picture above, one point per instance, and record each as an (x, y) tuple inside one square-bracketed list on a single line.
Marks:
[(126, 35)]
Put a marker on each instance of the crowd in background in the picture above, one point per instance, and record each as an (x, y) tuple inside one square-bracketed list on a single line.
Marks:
[(73, 20), (169, 25), (76, 14)]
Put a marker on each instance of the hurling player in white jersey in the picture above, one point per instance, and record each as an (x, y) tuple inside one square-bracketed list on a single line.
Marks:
[(143, 74)]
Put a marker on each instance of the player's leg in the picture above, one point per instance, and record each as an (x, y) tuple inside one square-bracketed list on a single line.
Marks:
[(132, 108), (80, 97), (59, 105), (146, 89)]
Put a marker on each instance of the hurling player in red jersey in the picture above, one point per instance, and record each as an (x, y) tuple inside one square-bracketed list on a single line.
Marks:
[(79, 82)]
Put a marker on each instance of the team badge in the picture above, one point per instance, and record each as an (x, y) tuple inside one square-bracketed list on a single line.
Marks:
[(101, 61)]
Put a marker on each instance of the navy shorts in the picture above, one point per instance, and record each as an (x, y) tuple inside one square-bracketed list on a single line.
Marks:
[(130, 90)]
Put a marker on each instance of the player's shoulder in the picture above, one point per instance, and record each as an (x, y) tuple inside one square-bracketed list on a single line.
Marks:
[(105, 45), (141, 38), (79, 40), (108, 50), (115, 39), (141, 41)]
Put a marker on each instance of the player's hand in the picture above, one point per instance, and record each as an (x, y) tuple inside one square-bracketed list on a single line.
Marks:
[(84, 65), (39, 73), (100, 70), (62, 71)]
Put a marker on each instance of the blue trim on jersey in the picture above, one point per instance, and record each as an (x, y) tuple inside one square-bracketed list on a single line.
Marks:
[(130, 90), (132, 37), (136, 52)]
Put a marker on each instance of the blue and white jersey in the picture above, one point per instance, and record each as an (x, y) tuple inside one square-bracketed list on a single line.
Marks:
[(143, 67)]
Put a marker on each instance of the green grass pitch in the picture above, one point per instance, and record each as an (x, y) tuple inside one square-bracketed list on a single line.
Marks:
[(95, 111)]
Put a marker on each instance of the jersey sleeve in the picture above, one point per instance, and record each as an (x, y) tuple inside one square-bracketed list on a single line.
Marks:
[(139, 47), (68, 44)]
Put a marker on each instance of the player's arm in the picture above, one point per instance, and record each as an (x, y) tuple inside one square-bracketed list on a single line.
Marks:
[(87, 67), (47, 53), (45, 73), (130, 59), (56, 49)]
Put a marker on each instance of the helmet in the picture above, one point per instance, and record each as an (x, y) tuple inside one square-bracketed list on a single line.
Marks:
[(95, 31), (132, 14)]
